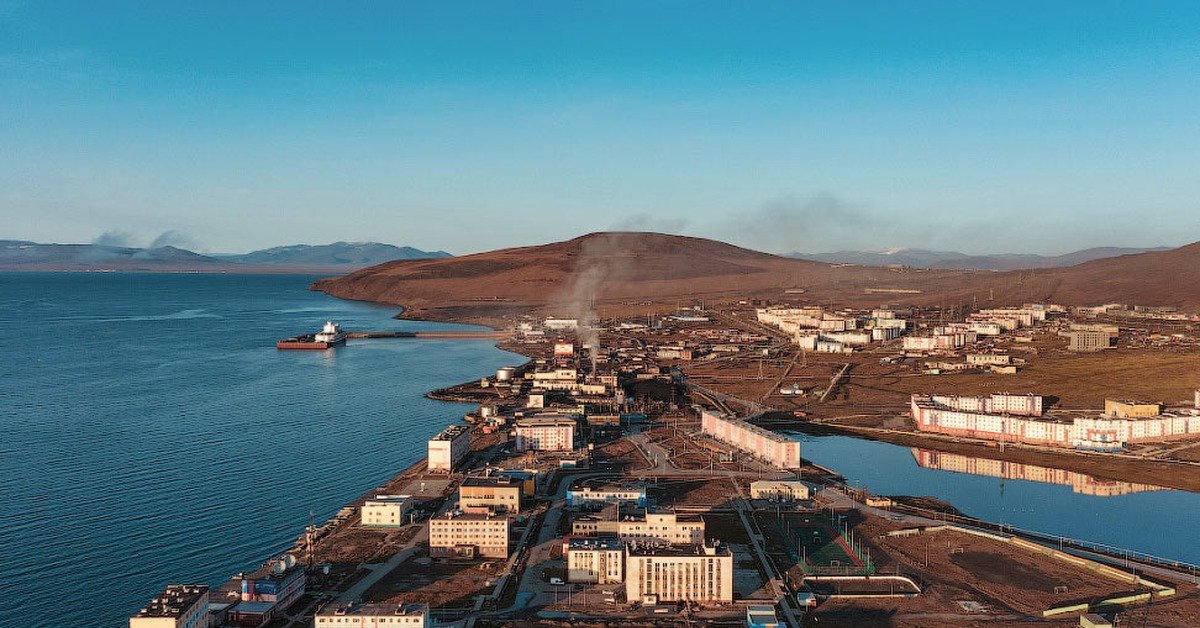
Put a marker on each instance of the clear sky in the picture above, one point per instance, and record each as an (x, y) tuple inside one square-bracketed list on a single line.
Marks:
[(783, 126)]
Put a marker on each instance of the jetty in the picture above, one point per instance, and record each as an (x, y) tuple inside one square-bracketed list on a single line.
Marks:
[(455, 335)]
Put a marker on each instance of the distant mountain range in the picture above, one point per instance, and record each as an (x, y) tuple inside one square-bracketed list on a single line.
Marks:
[(339, 257), (923, 258)]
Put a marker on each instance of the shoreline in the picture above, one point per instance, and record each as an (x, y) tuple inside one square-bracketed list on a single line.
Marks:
[(1181, 475)]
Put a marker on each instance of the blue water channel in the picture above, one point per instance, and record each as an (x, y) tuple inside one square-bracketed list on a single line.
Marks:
[(1156, 522)]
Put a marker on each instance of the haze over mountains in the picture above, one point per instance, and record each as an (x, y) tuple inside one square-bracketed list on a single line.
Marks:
[(924, 258), (615, 273), (339, 257)]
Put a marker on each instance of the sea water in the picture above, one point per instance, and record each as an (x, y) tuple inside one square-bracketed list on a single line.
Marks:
[(152, 434)]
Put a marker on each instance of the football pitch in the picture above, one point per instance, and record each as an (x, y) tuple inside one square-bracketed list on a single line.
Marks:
[(819, 548)]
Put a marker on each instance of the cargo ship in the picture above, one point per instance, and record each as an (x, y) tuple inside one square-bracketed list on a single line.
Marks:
[(329, 337)]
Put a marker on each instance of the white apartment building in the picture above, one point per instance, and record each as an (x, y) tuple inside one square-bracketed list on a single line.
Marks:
[(595, 560), (386, 510), (449, 447), (552, 433), (468, 536), (178, 606), (360, 615), (693, 573)]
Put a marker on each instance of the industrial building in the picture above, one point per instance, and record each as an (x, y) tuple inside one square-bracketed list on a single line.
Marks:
[(389, 511), (178, 606), (679, 573), (359, 615), (546, 433), (468, 536), (594, 560), (777, 450), (448, 448)]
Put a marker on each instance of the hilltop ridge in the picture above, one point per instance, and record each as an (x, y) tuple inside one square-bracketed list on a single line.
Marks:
[(637, 271)]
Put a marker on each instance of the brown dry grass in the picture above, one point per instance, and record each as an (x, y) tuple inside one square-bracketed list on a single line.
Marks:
[(640, 273)]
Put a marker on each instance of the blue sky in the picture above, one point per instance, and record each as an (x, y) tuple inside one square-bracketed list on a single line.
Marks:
[(782, 126)]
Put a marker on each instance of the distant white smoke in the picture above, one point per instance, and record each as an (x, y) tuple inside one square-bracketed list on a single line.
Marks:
[(115, 237), (174, 238), (603, 259)]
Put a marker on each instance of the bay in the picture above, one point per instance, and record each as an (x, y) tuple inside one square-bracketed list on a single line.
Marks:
[(152, 433)]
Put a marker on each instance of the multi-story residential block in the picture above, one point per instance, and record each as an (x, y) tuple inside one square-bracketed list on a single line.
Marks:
[(545, 433), (976, 417), (449, 447), (490, 494), (777, 450), (359, 615), (178, 606), (468, 536), (598, 560), (675, 573)]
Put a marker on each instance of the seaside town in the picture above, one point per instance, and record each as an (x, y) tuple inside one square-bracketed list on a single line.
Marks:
[(644, 471)]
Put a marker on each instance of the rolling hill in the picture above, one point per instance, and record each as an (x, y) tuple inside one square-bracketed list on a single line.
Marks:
[(624, 273)]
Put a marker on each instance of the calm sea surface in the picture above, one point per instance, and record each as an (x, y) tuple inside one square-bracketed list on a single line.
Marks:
[(150, 432)]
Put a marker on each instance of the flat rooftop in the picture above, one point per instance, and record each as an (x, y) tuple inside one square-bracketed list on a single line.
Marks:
[(373, 610), (664, 549), (581, 543), (452, 432), (174, 601)]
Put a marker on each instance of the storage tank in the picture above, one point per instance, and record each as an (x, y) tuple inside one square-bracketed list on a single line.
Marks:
[(505, 373)]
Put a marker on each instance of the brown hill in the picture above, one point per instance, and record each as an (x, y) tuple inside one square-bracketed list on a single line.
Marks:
[(626, 273), (1169, 278)]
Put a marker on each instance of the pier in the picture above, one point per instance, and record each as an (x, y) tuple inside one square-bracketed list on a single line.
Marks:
[(453, 335)]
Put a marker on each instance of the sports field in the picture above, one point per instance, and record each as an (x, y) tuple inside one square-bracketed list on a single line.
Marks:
[(819, 548)]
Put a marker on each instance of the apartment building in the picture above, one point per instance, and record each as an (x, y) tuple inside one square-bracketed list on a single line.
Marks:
[(468, 536), (360, 615), (177, 606), (674, 573)]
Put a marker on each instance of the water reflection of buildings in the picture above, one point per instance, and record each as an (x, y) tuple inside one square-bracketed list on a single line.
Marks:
[(1079, 482)]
